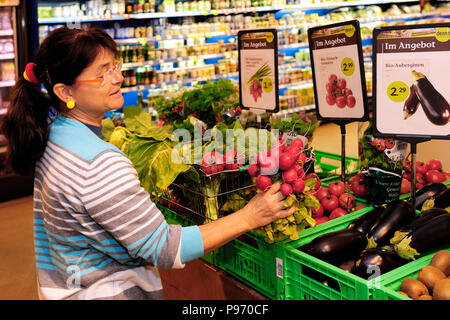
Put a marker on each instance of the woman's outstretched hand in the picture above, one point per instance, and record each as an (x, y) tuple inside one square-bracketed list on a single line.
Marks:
[(266, 207)]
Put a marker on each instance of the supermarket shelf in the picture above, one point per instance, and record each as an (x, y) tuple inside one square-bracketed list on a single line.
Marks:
[(6, 32), (173, 60), (157, 15), (297, 85), (180, 82), (306, 108), (363, 22), (8, 83), (7, 56)]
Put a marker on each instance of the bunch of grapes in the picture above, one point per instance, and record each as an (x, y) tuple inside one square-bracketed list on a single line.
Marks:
[(338, 93), (256, 90)]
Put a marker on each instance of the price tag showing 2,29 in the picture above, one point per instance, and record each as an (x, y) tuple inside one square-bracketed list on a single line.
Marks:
[(411, 99), (338, 72), (398, 91)]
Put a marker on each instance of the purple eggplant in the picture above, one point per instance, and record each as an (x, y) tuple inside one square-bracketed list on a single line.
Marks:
[(430, 236), (436, 108), (427, 192), (376, 261), (411, 104), (365, 222), (394, 216), (337, 246), (440, 200), (416, 222)]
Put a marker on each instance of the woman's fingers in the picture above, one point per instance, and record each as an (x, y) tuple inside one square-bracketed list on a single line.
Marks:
[(287, 212), (274, 188)]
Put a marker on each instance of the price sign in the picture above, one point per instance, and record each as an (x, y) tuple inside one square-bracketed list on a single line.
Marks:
[(411, 92), (338, 72), (258, 69)]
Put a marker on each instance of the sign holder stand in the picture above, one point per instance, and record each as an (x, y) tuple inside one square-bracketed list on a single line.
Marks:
[(343, 133), (413, 145), (350, 39)]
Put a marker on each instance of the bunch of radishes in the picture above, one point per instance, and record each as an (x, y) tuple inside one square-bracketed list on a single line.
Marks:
[(287, 160), (214, 162), (429, 172), (335, 202)]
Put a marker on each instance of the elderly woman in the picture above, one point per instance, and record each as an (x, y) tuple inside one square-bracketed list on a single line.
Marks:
[(97, 233)]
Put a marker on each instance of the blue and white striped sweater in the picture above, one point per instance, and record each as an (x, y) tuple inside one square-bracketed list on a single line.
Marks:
[(95, 226)]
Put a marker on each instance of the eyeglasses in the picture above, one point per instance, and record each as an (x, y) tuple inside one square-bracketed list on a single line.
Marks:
[(107, 77)]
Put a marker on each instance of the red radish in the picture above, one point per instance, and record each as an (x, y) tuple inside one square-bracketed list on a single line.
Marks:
[(298, 143), (298, 186), (315, 176), (348, 92), (286, 189), (253, 169), (418, 186), (434, 164), (280, 146), (359, 188), (290, 175), (233, 160), (434, 176), (294, 151), (337, 188), (263, 182), (347, 201), (406, 186), (302, 159), (336, 213), (286, 161), (300, 172), (421, 167), (330, 202), (322, 193), (212, 162), (317, 213), (359, 207), (321, 220)]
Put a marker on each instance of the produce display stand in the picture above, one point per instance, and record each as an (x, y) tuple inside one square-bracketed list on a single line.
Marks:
[(390, 283)]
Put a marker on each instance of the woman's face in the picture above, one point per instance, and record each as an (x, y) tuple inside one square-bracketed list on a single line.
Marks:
[(93, 99)]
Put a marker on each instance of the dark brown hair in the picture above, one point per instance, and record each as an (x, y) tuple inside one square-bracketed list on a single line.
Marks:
[(61, 58)]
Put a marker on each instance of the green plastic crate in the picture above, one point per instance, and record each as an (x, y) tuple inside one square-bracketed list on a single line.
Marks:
[(250, 259), (303, 273), (176, 218), (390, 283), (330, 161), (259, 264)]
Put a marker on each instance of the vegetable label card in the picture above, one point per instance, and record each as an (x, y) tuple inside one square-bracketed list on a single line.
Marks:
[(258, 69), (412, 91), (338, 72)]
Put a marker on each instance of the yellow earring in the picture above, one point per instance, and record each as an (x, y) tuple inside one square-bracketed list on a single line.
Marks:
[(70, 104)]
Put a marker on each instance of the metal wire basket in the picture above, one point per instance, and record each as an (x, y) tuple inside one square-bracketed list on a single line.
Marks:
[(208, 197)]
